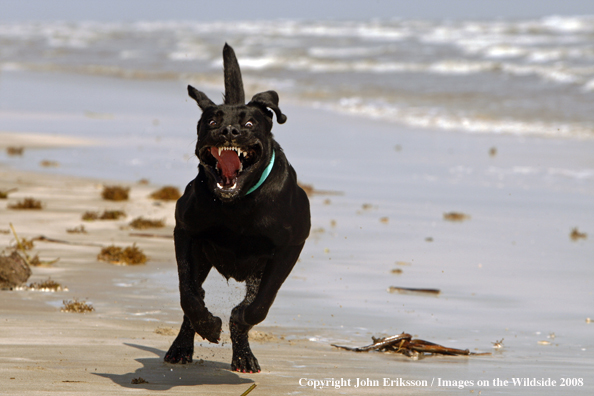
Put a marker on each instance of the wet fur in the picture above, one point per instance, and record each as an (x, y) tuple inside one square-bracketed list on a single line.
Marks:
[(255, 238)]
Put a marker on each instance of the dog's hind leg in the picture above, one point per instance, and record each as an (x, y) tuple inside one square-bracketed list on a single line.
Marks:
[(261, 292), (243, 358)]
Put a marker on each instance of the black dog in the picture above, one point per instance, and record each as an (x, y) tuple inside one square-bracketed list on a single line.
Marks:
[(244, 214)]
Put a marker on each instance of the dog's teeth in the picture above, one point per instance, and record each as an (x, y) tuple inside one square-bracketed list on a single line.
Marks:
[(220, 150)]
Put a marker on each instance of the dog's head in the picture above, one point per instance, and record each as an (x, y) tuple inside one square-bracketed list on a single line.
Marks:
[(234, 139)]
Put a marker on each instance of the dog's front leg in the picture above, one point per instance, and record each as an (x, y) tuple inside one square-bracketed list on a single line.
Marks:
[(193, 268), (261, 292)]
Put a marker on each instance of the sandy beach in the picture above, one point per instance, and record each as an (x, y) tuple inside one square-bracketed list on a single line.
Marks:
[(509, 271)]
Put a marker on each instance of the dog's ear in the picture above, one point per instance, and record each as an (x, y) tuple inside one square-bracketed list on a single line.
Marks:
[(200, 98), (269, 99), (233, 83)]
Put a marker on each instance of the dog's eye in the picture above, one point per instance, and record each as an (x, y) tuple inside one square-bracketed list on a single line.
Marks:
[(212, 123), (249, 124)]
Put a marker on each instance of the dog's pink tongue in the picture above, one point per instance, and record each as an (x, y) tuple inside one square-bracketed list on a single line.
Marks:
[(228, 163)]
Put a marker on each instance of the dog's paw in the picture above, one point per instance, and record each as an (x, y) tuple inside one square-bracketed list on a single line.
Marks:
[(179, 354), (210, 329), (244, 361)]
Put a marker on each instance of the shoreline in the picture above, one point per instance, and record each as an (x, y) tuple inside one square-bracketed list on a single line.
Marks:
[(396, 184), (30, 140)]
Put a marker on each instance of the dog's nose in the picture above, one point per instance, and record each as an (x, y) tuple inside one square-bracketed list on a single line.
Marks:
[(230, 131)]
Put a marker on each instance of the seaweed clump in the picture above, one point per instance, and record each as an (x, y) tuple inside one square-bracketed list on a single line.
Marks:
[(77, 230), (455, 216), (166, 331), (106, 215), (310, 190), (576, 234), (4, 193), (14, 150), (167, 193), (49, 164), (27, 203), (115, 193), (48, 285), (140, 223), (131, 255), (24, 244), (76, 306)]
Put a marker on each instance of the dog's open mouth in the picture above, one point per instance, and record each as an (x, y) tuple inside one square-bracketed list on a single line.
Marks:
[(229, 162)]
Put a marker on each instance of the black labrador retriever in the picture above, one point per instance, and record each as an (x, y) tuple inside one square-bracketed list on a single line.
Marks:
[(244, 215)]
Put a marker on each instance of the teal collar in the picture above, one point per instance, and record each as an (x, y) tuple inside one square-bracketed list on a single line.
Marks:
[(264, 175)]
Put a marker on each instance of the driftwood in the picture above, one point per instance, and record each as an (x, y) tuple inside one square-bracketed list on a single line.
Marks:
[(43, 238), (393, 289), (149, 235), (405, 345)]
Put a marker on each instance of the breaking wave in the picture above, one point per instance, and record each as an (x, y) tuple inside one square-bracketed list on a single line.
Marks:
[(527, 76)]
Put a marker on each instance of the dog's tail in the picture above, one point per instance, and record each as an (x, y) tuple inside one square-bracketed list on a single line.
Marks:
[(233, 83)]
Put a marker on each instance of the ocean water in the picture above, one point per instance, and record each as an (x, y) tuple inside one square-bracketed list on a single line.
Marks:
[(515, 76)]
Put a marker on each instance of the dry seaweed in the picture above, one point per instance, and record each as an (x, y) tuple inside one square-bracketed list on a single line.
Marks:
[(455, 216), (167, 193), (36, 262), (77, 230), (404, 344), (393, 289), (46, 239), (90, 216), (143, 182), (24, 244), (493, 151), (115, 193), (19, 246), (166, 331), (139, 380), (112, 214), (498, 344), (106, 215), (130, 255), (4, 193), (140, 223), (76, 306), (14, 150), (27, 203), (310, 190), (577, 235), (149, 235), (48, 285), (49, 164)]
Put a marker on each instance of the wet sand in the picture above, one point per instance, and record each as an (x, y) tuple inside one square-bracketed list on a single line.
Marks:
[(509, 272)]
